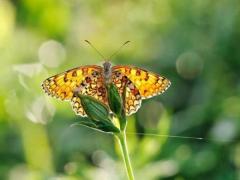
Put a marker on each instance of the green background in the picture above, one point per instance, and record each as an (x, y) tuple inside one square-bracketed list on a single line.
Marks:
[(195, 44)]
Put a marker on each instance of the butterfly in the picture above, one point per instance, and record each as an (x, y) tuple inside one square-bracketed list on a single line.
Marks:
[(91, 80)]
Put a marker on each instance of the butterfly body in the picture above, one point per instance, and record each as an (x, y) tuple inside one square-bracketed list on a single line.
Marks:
[(92, 80), (107, 71)]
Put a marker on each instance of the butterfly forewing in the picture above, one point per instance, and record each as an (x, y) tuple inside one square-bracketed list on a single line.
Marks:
[(149, 84), (63, 85), (86, 80)]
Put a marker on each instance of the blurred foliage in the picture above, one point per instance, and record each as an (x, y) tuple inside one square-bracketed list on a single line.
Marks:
[(193, 43)]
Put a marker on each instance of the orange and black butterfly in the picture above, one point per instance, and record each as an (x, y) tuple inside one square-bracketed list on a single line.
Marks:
[(91, 80)]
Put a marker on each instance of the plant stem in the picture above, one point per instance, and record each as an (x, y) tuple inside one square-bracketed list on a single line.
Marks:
[(123, 144)]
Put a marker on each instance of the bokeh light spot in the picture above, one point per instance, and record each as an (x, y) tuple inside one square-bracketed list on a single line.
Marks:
[(40, 111), (51, 53), (189, 65), (70, 168), (224, 131), (183, 152), (150, 113), (7, 21)]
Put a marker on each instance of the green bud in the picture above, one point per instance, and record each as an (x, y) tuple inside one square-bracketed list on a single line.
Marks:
[(98, 115), (116, 104), (114, 99), (94, 108)]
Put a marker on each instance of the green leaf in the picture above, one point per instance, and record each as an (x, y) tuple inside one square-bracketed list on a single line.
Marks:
[(107, 126), (103, 126), (86, 122), (94, 108)]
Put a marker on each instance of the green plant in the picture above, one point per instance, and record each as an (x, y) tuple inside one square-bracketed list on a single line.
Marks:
[(110, 119)]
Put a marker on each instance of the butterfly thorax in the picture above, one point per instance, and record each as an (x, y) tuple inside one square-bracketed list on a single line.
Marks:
[(107, 71)]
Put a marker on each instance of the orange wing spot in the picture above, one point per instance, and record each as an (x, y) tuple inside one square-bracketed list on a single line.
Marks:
[(138, 72)]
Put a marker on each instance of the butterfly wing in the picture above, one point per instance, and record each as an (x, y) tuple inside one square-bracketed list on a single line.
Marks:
[(132, 97), (92, 85), (87, 80), (148, 83)]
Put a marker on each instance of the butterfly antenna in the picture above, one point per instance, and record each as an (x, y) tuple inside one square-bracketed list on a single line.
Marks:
[(95, 48), (119, 49)]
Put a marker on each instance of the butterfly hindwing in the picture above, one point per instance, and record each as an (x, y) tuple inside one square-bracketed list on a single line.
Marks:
[(132, 95), (149, 84), (93, 86)]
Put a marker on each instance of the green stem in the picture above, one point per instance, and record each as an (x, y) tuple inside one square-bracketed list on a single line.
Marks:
[(123, 144)]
